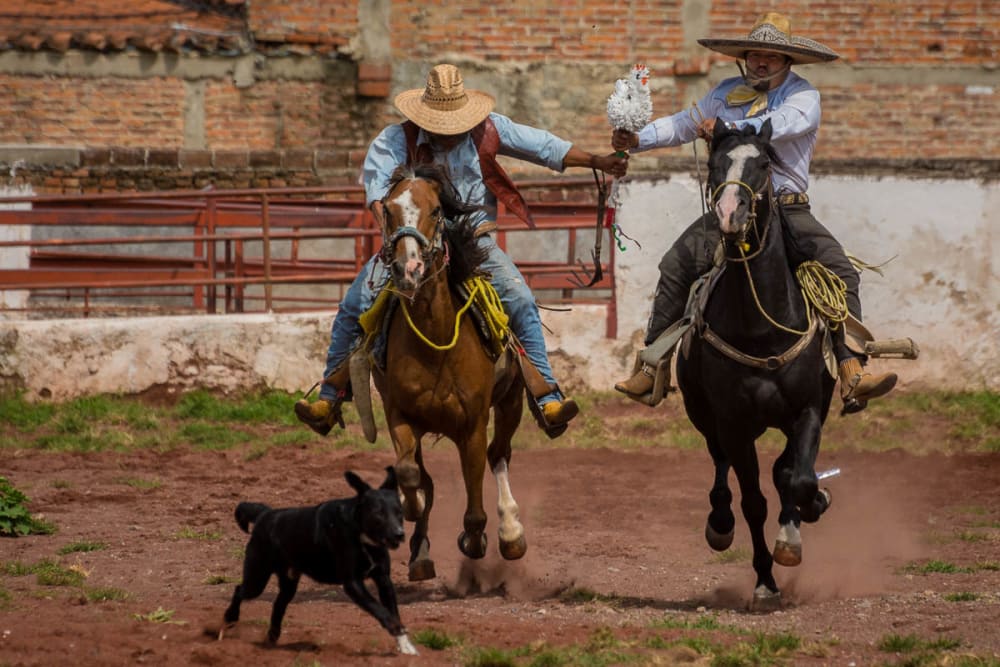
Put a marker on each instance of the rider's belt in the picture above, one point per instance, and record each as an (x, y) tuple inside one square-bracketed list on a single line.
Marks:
[(793, 199)]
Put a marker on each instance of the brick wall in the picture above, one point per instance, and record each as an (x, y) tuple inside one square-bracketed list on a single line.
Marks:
[(918, 82)]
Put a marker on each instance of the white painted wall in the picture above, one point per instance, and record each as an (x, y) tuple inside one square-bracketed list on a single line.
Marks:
[(941, 290)]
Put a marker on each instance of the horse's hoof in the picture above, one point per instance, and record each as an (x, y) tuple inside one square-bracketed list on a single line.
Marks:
[(765, 600), (787, 554), (718, 541), (422, 570), (825, 492), (471, 550), (514, 549)]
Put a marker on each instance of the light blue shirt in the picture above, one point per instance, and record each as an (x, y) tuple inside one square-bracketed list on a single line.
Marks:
[(523, 142), (794, 110)]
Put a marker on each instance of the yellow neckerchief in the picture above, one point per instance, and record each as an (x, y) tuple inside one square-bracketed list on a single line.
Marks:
[(742, 94)]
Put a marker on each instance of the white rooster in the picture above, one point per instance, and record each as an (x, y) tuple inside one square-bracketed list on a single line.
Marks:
[(629, 108)]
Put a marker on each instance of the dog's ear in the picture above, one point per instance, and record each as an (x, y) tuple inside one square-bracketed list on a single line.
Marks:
[(356, 482), (390, 479)]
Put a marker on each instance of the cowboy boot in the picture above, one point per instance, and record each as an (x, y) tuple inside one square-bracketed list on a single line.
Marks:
[(323, 413), (857, 386), (640, 384), (560, 412)]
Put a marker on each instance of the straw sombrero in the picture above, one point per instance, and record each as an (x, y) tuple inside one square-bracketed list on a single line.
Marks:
[(445, 106), (773, 32)]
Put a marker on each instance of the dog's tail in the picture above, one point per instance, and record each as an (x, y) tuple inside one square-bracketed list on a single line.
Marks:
[(247, 513)]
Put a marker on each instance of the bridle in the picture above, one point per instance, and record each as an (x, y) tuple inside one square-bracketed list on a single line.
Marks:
[(755, 197), (429, 247)]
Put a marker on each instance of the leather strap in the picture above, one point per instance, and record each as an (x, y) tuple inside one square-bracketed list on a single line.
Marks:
[(793, 199), (767, 363)]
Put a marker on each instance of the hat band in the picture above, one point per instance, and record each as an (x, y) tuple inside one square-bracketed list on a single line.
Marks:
[(445, 102)]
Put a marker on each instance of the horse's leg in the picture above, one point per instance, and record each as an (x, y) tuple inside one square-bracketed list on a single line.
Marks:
[(472, 454), (413, 486), (721, 523), (506, 418), (421, 565), (804, 440), (743, 456), (788, 543)]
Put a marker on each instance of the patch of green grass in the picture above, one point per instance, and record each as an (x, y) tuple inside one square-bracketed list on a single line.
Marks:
[(160, 615), (489, 657), (434, 640), (189, 533), (217, 579), (680, 622), (933, 567), (763, 649), (912, 643), (23, 415), (212, 436), (6, 599), (50, 573), (972, 536), (259, 407), (81, 547), (139, 483), (961, 597)]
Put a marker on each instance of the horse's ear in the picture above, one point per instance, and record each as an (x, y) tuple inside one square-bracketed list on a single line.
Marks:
[(356, 482), (765, 131), (390, 479)]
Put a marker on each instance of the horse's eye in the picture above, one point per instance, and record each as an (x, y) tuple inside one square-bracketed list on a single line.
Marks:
[(436, 213)]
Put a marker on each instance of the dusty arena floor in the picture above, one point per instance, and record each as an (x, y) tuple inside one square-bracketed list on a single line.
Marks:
[(906, 562)]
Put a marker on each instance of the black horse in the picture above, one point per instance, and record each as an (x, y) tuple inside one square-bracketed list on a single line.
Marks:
[(754, 360)]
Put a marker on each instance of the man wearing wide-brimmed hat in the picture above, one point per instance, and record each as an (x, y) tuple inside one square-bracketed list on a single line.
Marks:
[(451, 125), (768, 90)]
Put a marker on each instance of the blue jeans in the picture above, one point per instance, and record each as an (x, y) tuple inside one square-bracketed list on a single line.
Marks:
[(506, 279)]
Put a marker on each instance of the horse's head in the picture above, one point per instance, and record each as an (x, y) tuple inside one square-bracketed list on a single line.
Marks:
[(413, 223), (739, 176)]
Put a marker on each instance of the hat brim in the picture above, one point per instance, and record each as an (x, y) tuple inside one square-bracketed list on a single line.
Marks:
[(801, 51), (410, 103)]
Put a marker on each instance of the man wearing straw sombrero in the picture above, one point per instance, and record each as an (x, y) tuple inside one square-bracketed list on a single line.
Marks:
[(768, 90), (453, 126)]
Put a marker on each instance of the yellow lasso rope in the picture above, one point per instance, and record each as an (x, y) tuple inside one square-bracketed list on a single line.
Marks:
[(481, 291), (824, 289)]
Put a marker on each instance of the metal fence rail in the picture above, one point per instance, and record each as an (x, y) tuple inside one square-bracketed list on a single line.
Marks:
[(242, 251)]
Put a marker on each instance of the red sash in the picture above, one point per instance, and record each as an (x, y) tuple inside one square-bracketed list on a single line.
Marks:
[(487, 142)]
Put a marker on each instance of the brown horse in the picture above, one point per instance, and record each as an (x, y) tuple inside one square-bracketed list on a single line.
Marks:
[(439, 376)]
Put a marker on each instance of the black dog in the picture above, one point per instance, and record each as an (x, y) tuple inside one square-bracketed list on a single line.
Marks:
[(337, 542)]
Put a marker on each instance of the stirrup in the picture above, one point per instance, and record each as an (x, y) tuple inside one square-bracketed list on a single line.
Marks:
[(661, 382)]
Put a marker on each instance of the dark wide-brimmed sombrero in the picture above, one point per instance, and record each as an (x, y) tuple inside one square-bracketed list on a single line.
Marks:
[(773, 32)]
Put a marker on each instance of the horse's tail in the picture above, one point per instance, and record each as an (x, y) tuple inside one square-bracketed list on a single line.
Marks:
[(248, 513)]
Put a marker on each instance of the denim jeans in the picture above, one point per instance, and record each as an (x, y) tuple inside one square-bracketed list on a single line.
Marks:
[(514, 293)]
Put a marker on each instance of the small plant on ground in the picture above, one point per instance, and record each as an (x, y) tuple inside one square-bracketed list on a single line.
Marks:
[(15, 520), (161, 615), (434, 640), (81, 547)]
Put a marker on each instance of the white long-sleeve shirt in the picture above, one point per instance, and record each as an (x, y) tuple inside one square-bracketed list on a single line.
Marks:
[(794, 111)]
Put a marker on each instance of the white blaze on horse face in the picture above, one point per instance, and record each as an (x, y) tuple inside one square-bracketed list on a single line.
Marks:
[(410, 216), (727, 203)]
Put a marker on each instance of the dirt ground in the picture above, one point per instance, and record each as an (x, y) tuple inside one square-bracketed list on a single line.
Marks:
[(624, 524)]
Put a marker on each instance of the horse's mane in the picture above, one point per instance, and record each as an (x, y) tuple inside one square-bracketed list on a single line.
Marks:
[(465, 255)]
